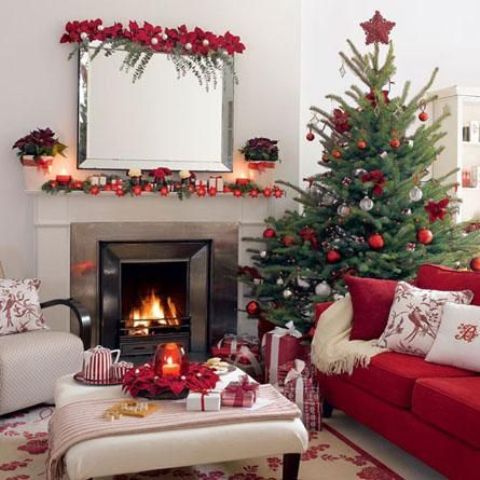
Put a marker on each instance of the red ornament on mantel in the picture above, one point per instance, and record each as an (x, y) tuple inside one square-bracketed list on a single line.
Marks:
[(475, 264), (148, 187), (137, 190), (377, 29), (164, 191), (425, 236), (201, 191), (94, 190), (237, 193), (376, 241), (253, 193), (212, 191), (333, 256), (267, 192), (120, 192), (269, 233)]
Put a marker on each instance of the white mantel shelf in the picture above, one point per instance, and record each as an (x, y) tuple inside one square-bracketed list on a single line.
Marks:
[(53, 215)]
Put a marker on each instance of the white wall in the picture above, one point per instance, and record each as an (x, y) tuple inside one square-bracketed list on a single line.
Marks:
[(38, 84), (427, 34)]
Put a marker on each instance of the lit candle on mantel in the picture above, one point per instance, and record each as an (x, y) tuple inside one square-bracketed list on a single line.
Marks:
[(170, 369), (63, 178)]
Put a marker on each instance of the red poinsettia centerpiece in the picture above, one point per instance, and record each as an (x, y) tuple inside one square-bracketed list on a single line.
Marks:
[(38, 145), (144, 381)]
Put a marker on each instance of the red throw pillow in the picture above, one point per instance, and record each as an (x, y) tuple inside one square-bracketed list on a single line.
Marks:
[(371, 300), (436, 277)]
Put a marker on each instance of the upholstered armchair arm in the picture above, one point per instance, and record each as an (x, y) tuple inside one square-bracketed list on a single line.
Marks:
[(83, 318)]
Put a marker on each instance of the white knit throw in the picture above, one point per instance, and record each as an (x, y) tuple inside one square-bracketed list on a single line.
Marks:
[(332, 350)]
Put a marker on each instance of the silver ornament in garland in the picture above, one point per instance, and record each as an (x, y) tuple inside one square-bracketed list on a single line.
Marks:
[(366, 203), (263, 254), (287, 293), (302, 282), (344, 210), (323, 289), (415, 194), (407, 212), (280, 281), (411, 246)]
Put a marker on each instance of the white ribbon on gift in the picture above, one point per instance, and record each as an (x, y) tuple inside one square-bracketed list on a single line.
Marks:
[(295, 375), (277, 333)]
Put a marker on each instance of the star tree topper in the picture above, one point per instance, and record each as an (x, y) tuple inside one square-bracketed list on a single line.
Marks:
[(377, 29)]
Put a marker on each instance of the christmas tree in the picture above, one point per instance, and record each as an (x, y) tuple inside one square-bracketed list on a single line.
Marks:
[(373, 211)]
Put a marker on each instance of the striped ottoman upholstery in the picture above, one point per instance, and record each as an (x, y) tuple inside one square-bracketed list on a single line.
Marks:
[(30, 364)]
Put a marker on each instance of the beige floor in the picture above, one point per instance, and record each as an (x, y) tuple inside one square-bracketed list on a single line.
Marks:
[(397, 459)]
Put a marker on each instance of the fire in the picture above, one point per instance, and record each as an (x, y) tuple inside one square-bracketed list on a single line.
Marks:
[(153, 312)]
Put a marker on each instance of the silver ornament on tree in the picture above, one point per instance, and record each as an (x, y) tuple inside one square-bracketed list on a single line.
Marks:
[(407, 212), (263, 254), (359, 172), (323, 289), (257, 281), (415, 194), (366, 203), (280, 281), (302, 282), (344, 210), (411, 246), (287, 293), (328, 199), (346, 181)]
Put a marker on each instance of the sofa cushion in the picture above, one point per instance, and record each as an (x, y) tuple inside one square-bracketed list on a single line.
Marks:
[(437, 277), (450, 404), (391, 376), (371, 300)]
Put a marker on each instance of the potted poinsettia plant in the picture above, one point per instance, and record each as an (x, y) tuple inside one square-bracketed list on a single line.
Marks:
[(260, 153), (39, 147)]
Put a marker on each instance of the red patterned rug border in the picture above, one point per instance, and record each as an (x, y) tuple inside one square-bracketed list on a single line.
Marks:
[(369, 456)]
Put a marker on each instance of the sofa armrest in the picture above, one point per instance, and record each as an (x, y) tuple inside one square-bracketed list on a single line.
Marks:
[(80, 313)]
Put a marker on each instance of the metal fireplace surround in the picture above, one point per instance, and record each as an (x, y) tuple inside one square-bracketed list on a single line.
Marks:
[(211, 249)]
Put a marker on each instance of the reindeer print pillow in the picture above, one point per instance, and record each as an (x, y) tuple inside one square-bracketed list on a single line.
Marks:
[(415, 317), (20, 306)]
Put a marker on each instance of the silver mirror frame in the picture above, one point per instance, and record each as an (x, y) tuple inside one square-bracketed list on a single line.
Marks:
[(225, 164)]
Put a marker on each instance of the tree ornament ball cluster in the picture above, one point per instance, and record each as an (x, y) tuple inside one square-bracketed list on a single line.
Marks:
[(376, 241), (269, 233), (425, 236), (253, 308), (475, 264)]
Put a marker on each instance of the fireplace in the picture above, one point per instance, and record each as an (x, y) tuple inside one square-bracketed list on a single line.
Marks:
[(159, 287)]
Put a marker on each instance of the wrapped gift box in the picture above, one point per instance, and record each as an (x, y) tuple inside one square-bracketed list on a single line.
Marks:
[(230, 345), (204, 401), (280, 346), (242, 393)]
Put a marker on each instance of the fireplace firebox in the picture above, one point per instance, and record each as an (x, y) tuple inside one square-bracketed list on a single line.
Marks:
[(154, 292)]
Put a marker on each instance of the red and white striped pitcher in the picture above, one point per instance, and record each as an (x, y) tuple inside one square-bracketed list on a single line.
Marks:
[(97, 362)]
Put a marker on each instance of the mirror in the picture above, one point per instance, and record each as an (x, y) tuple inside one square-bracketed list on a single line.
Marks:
[(161, 120)]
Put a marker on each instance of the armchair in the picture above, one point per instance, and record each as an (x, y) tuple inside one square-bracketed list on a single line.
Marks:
[(31, 362)]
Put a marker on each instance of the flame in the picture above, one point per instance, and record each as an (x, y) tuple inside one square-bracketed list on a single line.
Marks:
[(152, 310)]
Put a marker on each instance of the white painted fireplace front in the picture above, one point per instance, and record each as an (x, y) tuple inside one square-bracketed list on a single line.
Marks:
[(53, 215)]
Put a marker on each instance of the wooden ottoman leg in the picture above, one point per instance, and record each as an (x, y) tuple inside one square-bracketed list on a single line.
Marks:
[(291, 465)]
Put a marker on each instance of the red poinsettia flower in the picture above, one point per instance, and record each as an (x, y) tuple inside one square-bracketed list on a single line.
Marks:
[(308, 234), (160, 173), (377, 178), (437, 210), (341, 120)]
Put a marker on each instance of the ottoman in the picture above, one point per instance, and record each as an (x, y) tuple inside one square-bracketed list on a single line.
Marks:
[(184, 447)]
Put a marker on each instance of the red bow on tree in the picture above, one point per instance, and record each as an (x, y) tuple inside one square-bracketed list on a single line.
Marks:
[(377, 177), (340, 120), (252, 272), (308, 234), (437, 210), (372, 98), (160, 173)]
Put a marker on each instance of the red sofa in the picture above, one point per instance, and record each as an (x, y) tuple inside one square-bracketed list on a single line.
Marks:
[(431, 411)]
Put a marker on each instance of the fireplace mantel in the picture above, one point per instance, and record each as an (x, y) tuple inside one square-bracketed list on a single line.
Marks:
[(53, 216)]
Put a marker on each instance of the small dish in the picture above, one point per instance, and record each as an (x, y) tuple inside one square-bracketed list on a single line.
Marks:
[(78, 377)]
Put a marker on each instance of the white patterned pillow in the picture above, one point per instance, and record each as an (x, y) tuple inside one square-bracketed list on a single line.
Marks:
[(20, 306), (458, 338), (415, 317)]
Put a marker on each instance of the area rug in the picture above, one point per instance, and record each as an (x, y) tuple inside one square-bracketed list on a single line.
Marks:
[(330, 456)]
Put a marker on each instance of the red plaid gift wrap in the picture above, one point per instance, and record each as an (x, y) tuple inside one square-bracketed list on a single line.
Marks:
[(280, 346), (240, 394), (301, 388)]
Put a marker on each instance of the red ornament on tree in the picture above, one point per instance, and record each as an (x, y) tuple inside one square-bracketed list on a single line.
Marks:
[(310, 136), (377, 29), (423, 116), (376, 241), (395, 143), (325, 157), (340, 120), (288, 240), (253, 308), (308, 234), (373, 99), (475, 264), (336, 154), (362, 144), (425, 236), (333, 256), (269, 233)]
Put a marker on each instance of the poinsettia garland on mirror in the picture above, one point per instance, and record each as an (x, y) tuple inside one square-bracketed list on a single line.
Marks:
[(202, 52)]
